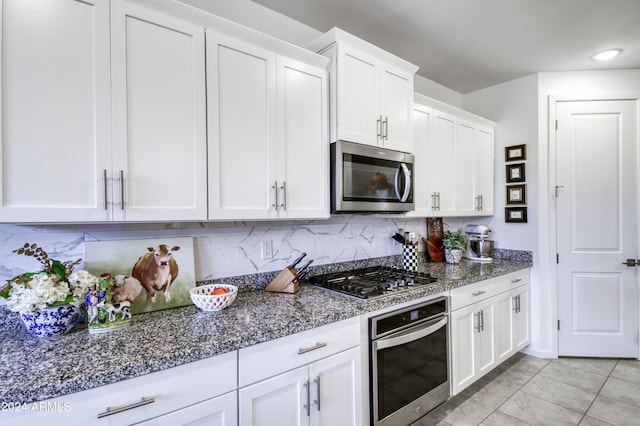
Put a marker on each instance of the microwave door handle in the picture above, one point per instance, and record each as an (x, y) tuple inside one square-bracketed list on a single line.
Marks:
[(407, 182), (411, 335), (396, 182)]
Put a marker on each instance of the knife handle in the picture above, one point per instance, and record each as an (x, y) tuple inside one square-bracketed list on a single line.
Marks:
[(298, 259)]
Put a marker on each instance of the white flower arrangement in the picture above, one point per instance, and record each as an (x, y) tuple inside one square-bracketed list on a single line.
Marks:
[(56, 284)]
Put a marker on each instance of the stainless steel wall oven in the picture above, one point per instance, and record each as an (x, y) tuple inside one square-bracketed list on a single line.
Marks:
[(408, 353), (370, 179)]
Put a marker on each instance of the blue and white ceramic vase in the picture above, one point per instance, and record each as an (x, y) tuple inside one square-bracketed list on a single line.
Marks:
[(52, 320)]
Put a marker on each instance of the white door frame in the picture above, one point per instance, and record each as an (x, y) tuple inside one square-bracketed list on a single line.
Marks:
[(549, 188)]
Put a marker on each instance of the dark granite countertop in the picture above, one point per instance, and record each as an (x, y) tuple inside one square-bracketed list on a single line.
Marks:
[(34, 369)]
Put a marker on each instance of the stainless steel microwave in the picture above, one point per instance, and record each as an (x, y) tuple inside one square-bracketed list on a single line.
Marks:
[(368, 179)]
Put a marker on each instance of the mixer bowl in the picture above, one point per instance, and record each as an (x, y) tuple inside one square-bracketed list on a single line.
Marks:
[(481, 248)]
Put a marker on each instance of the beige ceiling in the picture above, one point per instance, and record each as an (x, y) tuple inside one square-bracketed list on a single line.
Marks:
[(467, 45)]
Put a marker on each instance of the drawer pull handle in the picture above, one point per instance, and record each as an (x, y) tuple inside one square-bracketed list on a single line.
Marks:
[(311, 348), (517, 280), (478, 293), (114, 410)]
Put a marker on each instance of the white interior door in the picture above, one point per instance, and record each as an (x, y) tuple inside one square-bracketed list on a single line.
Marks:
[(597, 227)]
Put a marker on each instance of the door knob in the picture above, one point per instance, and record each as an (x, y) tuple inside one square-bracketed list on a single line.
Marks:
[(632, 262)]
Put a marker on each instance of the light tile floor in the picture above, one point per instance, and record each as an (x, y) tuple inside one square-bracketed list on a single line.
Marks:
[(526, 390)]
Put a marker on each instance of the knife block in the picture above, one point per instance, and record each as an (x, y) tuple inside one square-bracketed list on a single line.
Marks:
[(283, 282)]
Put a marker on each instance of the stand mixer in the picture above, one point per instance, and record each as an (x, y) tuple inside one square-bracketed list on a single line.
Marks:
[(479, 247)]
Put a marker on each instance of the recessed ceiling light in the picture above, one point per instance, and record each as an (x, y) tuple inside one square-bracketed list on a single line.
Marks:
[(605, 55)]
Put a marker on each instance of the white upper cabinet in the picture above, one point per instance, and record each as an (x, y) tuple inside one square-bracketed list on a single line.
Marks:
[(55, 111), (268, 150), (103, 115), (396, 108), (455, 150), (483, 169), (422, 128), (303, 151), (159, 120), (371, 92), (242, 132)]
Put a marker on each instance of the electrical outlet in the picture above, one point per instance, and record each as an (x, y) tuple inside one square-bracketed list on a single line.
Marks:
[(267, 250)]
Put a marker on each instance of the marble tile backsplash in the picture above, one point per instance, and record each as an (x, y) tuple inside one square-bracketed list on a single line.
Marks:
[(224, 249)]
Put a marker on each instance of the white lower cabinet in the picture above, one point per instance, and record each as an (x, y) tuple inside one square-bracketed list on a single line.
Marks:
[(489, 323), (473, 341), (324, 393), (311, 378), (200, 392), (219, 411)]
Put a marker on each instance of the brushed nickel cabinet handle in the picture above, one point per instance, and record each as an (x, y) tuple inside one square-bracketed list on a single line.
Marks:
[(275, 190), (317, 382), (385, 134), (114, 410), (121, 190), (307, 406), (284, 195), (478, 293), (104, 183), (311, 348)]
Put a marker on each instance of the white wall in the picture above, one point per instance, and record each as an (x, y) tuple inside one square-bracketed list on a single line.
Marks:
[(260, 18), (513, 106), (521, 109), (434, 90), (222, 249)]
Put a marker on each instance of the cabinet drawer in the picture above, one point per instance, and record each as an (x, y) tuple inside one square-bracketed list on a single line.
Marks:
[(274, 357), (472, 293), (512, 280), (170, 389)]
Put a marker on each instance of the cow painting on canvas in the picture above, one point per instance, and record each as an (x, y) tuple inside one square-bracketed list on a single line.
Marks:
[(142, 268), (157, 270)]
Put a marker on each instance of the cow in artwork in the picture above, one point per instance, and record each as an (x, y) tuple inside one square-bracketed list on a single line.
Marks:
[(157, 270)]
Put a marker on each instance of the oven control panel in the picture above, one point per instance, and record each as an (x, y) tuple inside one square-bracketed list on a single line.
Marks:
[(398, 320)]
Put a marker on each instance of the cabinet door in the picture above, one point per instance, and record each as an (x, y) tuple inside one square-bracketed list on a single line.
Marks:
[(463, 347), (279, 401), (483, 170), (396, 109), (357, 97), (485, 339), (504, 305), (521, 325), (465, 201), (242, 132), (443, 162), (159, 110), (473, 343), (166, 391), (219, 411), (422, 194), (55, 111), (303, 146), (336, 392)]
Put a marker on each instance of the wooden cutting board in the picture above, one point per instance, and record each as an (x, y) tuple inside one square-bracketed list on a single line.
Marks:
[(434, 248)]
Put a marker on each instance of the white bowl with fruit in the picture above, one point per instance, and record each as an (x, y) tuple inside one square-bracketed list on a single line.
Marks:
[(213, 297)]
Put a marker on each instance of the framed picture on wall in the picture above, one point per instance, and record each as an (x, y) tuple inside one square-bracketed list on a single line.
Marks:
[(517, 194), (515, 214), (515, 153), (515, 173)]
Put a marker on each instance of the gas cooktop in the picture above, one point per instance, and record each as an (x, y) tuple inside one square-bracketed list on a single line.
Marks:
[(375, 281)]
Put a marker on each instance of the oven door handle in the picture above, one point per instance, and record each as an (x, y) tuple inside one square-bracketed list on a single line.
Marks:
[(414, 333), (407, 182)]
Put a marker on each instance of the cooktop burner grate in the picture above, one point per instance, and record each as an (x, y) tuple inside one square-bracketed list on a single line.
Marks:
[(372, 282)]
